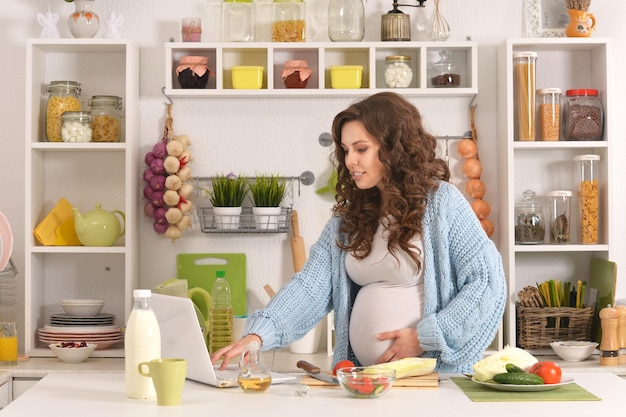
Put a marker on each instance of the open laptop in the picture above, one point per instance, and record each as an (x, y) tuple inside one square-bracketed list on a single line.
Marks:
[(182, 337)]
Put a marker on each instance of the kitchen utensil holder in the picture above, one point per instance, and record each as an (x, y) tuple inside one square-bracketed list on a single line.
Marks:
[(538, 326)]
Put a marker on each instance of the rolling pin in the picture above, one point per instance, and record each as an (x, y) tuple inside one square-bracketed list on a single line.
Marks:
[(297, 244)]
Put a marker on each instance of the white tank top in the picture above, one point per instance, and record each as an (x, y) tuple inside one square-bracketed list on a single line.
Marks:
[(391, 297)]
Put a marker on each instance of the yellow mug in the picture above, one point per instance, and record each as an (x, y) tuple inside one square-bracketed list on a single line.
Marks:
[(168, 376), (8, 343)]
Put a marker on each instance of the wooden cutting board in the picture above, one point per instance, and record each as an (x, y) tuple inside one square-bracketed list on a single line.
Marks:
[(416, 382)]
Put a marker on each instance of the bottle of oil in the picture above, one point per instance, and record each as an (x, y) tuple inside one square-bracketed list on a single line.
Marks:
[(221, 315), (253, 376)]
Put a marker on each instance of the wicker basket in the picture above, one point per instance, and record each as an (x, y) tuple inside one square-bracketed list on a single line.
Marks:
[(538, 326)]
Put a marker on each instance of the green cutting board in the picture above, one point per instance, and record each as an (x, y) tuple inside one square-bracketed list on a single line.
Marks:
[(199, 270), (602, 276)]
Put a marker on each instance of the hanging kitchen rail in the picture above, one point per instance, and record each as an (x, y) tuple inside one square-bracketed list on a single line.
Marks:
[(247, 222)]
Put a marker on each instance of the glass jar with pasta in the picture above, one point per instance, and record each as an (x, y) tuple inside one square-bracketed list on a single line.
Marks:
[(524, 67), (588, 197), (63, 97), (105, 112), (288, 21)]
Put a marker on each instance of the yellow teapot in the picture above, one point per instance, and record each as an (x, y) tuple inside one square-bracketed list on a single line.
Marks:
[(202, 300), (99, 227)]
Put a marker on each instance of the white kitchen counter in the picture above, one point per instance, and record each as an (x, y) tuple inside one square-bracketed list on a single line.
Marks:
[(102, 394)]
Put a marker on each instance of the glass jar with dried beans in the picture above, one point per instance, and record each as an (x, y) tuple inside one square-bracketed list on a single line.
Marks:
[(63, 98), (529, 222), (583, 117)]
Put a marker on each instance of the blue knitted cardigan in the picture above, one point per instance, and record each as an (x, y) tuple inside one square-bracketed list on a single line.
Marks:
[(464, 289)]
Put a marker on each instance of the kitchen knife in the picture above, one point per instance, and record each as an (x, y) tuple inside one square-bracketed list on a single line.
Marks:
[(315, 372), (297, 244)]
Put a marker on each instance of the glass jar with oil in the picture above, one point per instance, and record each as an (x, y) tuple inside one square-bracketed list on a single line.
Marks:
[(253, 378)]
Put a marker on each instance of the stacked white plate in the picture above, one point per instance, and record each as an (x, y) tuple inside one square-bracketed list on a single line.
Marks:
[(103, 336), (103, 319)]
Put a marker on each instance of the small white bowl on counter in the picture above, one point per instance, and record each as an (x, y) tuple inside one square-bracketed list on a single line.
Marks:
[(73, 352), (574, 351)]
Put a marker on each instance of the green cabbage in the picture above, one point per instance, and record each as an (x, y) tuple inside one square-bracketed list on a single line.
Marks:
[(406, 367), (485, 369)]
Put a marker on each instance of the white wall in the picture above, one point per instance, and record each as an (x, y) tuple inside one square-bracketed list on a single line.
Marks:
[(271, 135)]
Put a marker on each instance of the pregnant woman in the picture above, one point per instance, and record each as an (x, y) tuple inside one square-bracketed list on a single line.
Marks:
[(403, 261)]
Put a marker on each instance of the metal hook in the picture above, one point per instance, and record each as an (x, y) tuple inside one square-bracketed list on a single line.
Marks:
[(472, 102), (169, 100)]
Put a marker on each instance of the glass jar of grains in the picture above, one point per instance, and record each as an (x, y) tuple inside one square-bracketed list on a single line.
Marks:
[(76, 126), (106, 124), (63, 97), (549, 113), (398, 71), (288, 21)]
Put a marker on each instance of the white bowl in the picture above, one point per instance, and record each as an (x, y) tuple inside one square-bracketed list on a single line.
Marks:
[(80, 307), (72, 354), (573, 351)]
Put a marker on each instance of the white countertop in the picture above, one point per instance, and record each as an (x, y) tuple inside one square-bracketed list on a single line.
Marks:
[(102, 394)]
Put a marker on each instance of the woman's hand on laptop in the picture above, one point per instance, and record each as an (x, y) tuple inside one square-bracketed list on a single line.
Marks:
[(233, 350)]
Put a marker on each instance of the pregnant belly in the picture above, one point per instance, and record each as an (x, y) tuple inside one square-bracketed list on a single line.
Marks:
[(380, 307)]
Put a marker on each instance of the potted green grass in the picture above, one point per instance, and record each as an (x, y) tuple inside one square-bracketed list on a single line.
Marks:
[(227, 195), (268, 192)]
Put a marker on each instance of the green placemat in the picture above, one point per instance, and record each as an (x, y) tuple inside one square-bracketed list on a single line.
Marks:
[(480, 393)]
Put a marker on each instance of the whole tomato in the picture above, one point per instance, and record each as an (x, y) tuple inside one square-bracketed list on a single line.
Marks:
[(342, 364), (549, 371)]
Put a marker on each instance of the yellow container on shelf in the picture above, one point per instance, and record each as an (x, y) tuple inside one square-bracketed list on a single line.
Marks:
[(247, 77), (346, 76)]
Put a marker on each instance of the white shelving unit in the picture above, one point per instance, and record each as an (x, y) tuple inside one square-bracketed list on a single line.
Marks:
[(84, 174), (320, 56), (567, 63)]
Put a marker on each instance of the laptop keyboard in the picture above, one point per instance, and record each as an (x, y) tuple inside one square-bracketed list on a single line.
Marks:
[(227, 374)]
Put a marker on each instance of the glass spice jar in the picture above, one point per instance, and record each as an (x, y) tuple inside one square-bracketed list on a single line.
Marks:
[(288, 21), (296, 74), (529, 222), (63, 98), (583, 118), (398, 71), (76, 126), (106, 124)]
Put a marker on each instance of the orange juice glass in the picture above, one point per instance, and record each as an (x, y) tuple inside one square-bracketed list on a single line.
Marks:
[(8, 343)]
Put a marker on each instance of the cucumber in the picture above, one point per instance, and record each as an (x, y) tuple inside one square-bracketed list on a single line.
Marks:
[(518, 378), (510, 368)]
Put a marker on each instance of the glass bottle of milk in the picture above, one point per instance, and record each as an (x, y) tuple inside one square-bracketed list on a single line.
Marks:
[(142, 343)]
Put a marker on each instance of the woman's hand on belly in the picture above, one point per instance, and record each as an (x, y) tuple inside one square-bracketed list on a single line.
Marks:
[(405, 344)]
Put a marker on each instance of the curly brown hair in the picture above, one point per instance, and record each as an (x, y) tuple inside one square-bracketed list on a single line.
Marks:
[(411, 172)]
